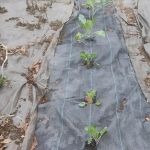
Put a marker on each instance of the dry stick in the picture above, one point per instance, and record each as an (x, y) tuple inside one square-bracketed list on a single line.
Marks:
[(5, 48)]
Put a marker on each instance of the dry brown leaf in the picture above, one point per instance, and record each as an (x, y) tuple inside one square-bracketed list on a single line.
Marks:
[(30, 68), (147, 119), (37, 62), (37, 69), (34, 75), (24, 127), (6, 141), (88, 99), (1, 148), (76, 7), (148, 76), (23, 49), (68, 3), (34, 143), (1, 55)]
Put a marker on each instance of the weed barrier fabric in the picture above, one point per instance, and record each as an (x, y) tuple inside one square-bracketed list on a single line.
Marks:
[(15, 100), (114, 80)]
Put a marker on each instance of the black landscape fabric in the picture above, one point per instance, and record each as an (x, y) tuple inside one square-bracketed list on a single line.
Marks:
[(62, 121)]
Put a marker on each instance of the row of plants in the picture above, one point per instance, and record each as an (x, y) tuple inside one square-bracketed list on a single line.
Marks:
[(90, 98)]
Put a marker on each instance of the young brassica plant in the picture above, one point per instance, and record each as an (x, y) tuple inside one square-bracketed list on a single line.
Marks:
[(90, 99), (87, 25), (4, 81), (94, 133), (88, 59), (90, 5)]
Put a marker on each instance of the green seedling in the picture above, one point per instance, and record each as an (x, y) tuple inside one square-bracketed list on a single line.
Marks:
[(94, 133), (90, 99), (88, 59), (90, 5), (87, 25), (4, 81)]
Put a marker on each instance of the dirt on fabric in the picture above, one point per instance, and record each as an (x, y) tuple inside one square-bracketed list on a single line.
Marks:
[(131, 19), (55, 25), (3, 10), (122, 104), (9, 131), (108, 11)]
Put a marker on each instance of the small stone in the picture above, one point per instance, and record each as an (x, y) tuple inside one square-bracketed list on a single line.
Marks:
[(136, 54)]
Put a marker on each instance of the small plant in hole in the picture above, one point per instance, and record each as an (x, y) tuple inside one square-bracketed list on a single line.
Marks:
[(90, 5), (88, 59), (95, 137), (4, 81), (90, 98), (88, 26)]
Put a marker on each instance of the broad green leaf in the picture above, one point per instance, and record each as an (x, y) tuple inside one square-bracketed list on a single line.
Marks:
[(82, 104), (86, 5), (92, 93), (87, 57), (82, 55), (102, 33), (79, 36), (89, 140), (93, 54), (103, 131), (92, 130), (93, 21), (96, 64), (91, 2), (96, 136), (98, 1), (86, 93), (98, 103), (83, 25), (82, 19)]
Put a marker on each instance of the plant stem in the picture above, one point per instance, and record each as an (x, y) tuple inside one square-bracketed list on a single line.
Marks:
[(95, 11)]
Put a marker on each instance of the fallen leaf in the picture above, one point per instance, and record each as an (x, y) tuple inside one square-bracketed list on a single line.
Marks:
[(34, 143), (24, 127), (22, 136), (23, 49), (147, 119), (89, 101), (6, 141), (3, 147), (37, 69), (148, 76), (68, 3), (76, 7), (30, 68), (1, 55)]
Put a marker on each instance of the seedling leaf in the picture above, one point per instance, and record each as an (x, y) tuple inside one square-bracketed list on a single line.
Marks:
[(87, 57), (96, 136), (89, 140), (103, 131), (98, 103), (79, 36), (82, 19), (82, 104), (92, 93), (93, 54), (92, 130), (86, 93), (102, 33), (96, 64), (82, 55)]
